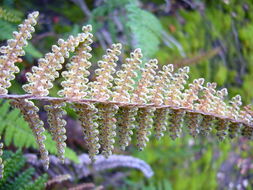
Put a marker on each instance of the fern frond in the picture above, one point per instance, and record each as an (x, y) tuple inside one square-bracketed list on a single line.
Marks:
[(141, 28), (12, 166), (20, 181), (38, 184), (135, 97), (15, 177), (145, 27), (12, 52)]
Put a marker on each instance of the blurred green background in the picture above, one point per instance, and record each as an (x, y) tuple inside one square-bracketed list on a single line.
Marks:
[(213, 37)]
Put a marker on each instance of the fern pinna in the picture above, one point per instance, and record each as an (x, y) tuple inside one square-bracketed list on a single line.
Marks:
[(117, 101)]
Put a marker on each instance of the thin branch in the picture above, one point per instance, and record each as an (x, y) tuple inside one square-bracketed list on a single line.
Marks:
[(58, 179), (43, 35), (116, 19), (239, 51), (86, 167), (168, 40), (107, 36), (101, 40), (196, 59)]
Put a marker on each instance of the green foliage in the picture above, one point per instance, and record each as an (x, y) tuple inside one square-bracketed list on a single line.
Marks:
[(221, 75), (12, 164), (145, 28), (15, 178), (6, 30), (185, 163), (38, 183), (15, 130), (21, 180), (141, 27), (68, 9), (32, 51), (10, 15)]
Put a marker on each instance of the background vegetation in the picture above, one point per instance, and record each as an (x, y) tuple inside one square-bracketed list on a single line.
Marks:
[(212, 37)]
